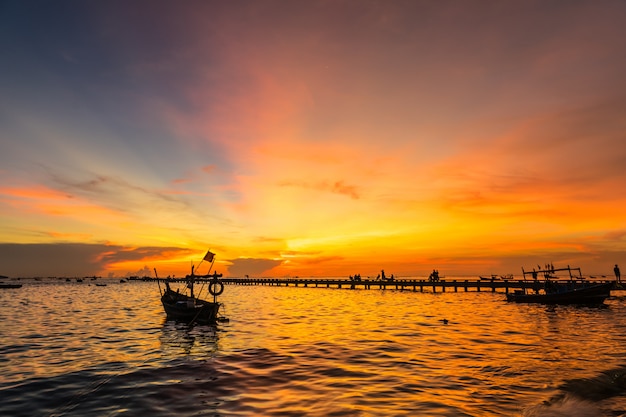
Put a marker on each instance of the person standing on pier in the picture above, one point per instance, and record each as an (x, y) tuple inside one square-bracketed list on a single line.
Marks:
[(618, 275)]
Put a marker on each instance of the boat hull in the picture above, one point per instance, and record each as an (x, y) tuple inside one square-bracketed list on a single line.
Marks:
[(3, 285), (182, 308), (593, 294)]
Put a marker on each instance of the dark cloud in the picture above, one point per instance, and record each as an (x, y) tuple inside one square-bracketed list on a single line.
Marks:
[(121, 254), (208, 169), (616, 235), (251, 266), (106, 189), (47, 260), (71, 259), (320, 260), (336, 187)]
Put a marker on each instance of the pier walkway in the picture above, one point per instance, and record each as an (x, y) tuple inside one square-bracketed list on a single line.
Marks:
[(412, 284), (405, 284)]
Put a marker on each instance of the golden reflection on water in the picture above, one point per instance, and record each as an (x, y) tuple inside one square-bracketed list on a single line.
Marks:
[(486, 347), (71, 327), (317, 351)]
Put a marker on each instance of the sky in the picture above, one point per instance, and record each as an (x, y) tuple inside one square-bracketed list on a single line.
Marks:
[(311, 138)]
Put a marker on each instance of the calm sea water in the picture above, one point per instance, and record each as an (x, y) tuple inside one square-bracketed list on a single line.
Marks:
[(75, 349)]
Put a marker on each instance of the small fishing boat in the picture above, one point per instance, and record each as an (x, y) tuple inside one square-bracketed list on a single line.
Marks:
[(561, 294), (495, 277), (8, 285), (551, 291), (4, 285), (189, 308)]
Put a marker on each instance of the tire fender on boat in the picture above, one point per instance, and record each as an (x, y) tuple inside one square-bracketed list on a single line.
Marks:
[(216, 288)]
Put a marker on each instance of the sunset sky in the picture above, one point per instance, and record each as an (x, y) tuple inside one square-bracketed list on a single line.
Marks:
[(312, 138)]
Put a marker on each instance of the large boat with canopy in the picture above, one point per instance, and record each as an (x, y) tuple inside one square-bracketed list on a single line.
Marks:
[(551, 290)]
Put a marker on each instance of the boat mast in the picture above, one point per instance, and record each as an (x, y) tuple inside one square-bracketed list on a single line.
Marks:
[(211, 266), (158, 282), (209, 255), (191, 281)]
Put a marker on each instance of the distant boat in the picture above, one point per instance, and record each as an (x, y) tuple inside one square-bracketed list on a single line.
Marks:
[(3, 285), (561, 294), (554, 292), (494, 277), (189, 308)]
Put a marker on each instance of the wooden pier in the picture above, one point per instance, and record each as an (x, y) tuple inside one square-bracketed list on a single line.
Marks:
[(423, 285), (409, 284)]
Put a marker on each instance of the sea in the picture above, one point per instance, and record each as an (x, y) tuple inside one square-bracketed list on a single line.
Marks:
[(78, 349)]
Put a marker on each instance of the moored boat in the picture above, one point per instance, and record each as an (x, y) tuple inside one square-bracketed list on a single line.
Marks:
[(562, 294), (4, 285), (494, 277), (551, 291), (190, 308)]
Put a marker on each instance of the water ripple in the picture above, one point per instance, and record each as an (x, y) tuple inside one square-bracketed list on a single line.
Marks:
[(315, 352)]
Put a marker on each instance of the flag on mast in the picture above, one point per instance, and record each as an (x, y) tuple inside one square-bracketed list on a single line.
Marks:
[(209, 256)]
